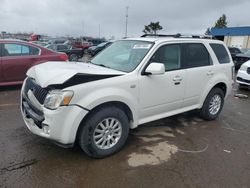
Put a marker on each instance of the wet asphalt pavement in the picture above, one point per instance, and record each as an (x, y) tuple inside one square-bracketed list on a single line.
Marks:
[(180, 151)]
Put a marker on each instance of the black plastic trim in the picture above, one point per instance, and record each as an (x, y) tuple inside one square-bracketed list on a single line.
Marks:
[(80, 79)]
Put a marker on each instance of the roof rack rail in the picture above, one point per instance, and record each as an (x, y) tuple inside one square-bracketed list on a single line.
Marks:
[(161, 35), (178, 35)]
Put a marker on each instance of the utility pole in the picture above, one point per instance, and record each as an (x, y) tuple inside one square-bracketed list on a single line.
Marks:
[(126, 29), (99, 30), (83, 28)]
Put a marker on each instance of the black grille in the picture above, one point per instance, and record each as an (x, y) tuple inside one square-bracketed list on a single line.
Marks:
[(39, 92), (248, 70)]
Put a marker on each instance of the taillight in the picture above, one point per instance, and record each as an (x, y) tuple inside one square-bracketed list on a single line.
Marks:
[(64, 57)]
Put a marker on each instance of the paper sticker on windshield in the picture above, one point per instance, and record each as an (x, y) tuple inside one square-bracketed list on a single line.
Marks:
[(142, 46)]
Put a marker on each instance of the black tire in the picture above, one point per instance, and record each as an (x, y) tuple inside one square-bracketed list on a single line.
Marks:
[(85, 51), (73, 57), (86, 133), (205, 112)]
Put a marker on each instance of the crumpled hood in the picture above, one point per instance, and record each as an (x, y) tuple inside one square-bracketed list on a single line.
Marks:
[(52, 73)]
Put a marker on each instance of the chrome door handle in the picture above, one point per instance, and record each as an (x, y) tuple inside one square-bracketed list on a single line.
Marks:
[(177, 79)]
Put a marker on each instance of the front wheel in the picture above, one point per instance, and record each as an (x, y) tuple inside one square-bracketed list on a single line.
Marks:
[(213, 104), (104, 132)]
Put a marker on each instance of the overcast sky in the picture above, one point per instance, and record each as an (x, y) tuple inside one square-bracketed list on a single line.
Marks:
[(83, 17)]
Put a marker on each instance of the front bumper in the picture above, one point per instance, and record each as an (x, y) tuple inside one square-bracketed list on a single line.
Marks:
[(243, 77), (59, 125)]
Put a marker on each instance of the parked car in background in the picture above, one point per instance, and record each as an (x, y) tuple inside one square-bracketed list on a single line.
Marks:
[(83, 45), (243, 75), (73, 53), (234, 51), (16, 57), (241, 58), (96, 49), (96, 41), (58, 41), (244, 50), (40, 43)]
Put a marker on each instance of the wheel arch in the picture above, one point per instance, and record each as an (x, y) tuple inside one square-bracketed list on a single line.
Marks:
[(118, 104), (222, 85)]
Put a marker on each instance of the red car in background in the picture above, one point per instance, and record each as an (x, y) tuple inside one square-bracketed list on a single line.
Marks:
[(83, 45), (16, 57)]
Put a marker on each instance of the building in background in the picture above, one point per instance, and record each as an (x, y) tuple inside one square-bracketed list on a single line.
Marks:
[(233, 36)]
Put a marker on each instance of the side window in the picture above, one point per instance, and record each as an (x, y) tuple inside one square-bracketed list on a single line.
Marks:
[(62, 47), (15, 50), (220, 53), (34, 51), (169, 55), (196, 55)]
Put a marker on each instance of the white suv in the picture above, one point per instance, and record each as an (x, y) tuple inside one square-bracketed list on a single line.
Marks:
[(133, 81)]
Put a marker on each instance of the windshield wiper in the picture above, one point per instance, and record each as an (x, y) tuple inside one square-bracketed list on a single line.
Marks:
[(101, 65)]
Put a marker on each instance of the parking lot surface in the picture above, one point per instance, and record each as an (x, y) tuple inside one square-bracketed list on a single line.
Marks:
[(180, 151)]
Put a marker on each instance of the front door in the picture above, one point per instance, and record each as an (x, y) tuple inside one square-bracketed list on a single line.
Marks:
[(161, 94)]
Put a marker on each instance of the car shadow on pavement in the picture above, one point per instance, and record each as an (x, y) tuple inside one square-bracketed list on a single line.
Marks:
[(10, 88)]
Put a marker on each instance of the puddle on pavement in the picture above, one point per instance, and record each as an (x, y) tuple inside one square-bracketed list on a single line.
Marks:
[(157, 140), (158, 154)]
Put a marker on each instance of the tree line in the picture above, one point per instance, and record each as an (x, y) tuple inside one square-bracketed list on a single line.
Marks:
[(154, 27)]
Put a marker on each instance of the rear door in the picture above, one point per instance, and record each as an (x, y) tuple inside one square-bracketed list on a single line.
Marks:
[(16, 60), (199, 69)]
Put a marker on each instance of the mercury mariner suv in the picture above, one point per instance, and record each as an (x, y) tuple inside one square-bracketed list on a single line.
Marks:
[(132, 82)]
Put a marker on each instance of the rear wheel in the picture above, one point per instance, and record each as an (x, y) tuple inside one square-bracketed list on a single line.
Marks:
[(73, 57), (104, 132), (213, 104)]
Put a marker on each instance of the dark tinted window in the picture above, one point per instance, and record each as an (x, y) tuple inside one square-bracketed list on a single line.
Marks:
[(62, 47), (220, 53), (15, 50), (231, 50), (169, 55), (196, 55)]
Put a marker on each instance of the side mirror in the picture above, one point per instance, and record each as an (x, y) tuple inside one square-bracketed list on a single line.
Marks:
[(155, 69)]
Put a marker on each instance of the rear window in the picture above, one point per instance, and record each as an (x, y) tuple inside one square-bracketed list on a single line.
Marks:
[(221, 53)]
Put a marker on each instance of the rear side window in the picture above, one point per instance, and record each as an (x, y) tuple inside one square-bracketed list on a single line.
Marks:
[(196, 55), (221, 53), (34, 51)]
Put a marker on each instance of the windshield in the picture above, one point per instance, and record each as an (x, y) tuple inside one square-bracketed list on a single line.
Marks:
[(247, 52), (123, 55), (51, 47)]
